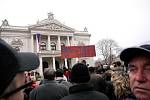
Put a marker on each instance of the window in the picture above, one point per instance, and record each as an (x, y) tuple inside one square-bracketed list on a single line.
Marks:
[(62, 44), (53, 46), (43, 46)]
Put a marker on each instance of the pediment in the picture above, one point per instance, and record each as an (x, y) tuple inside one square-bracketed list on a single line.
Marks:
[(53, 26)]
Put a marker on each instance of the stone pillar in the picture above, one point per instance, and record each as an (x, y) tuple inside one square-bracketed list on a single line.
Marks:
[(54, 67), (49, 43), (66, 63), (58, 43), (32, 43), (68, 42), (37, 44), (73, 44), (40, 69)]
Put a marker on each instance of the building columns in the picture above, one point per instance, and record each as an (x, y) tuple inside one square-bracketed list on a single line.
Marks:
[(32, 43), (37, 42), (68, 42), (58, 43), (54, 67), (40, 69), (49, 43), (73, 44)]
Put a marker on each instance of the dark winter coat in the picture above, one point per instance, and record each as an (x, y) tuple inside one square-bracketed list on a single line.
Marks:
[(49, 91), (84, 92)]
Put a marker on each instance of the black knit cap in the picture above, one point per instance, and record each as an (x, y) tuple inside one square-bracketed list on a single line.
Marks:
[(59, 73), (80, 73), (12, 62)]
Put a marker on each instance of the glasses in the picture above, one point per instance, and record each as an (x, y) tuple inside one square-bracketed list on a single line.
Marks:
[(16, 90)]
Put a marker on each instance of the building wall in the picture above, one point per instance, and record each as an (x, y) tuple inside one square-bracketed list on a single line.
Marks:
[(25, 39)]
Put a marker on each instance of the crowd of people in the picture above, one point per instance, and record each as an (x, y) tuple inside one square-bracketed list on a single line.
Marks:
[(127, 79)]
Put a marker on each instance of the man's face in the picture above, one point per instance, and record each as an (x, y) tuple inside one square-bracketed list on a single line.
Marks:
[(139, 74)]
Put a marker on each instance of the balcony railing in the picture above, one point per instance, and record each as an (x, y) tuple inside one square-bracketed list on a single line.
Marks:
[(53, 52)]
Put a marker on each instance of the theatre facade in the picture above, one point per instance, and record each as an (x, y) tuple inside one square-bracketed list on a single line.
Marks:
[(46, 38)]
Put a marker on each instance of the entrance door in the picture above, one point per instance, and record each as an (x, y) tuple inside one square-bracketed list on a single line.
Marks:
[(45, 65), (57, 64)]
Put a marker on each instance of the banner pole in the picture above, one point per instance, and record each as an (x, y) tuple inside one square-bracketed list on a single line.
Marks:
[(77, 60), (66, 65)]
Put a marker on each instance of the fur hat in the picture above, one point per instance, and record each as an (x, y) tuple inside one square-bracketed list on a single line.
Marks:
[(80, 73)]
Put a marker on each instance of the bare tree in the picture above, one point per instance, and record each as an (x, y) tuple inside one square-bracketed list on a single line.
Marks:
[(107, 50)]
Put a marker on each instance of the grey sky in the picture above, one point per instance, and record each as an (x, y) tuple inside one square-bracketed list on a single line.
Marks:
[(125, 21)]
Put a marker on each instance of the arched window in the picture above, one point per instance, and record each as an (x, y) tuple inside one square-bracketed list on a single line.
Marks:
[(43, 46), (53, 46), (62, 44)]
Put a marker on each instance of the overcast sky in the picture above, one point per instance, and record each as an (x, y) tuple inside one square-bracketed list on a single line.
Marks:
[(125, 21)]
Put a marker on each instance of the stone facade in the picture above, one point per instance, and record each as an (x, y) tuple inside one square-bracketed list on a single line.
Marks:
[(52, 35)]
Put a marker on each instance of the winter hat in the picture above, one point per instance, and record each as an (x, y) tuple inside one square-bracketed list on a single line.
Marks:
[(80, 73), (59, 73), (129, 53)]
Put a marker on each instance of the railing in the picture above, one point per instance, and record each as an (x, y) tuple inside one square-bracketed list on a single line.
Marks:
[(53, 52)]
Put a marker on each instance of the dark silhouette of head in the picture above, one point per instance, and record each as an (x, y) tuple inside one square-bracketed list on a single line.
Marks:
[(80, 73)]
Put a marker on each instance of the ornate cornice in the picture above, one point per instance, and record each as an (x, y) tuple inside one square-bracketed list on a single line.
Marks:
[(51, 27)]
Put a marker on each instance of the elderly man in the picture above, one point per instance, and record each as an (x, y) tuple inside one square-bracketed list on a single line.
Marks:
[(12, 67), (138, 61)]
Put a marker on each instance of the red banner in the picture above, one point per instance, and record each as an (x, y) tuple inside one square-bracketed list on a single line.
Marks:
[(78, 51)]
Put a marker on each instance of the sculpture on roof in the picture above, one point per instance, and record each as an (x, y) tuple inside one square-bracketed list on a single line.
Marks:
[(5, 23), (50, 16), (85, 29)]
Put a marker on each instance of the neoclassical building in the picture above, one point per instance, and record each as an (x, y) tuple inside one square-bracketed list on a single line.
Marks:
[(52, 34)]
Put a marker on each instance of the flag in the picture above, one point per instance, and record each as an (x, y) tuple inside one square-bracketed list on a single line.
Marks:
[(38, 41)]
